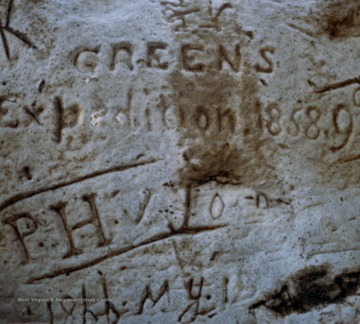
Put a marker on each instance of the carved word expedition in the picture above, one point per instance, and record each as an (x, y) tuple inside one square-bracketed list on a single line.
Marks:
[(16, 114)]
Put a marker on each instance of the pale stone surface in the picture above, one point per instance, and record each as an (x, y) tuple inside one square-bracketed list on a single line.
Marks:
[(179, 161)]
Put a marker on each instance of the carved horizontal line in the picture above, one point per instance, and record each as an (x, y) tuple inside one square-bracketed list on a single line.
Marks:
[(22, 196), (350, 159), (309, 255), (161, 237)]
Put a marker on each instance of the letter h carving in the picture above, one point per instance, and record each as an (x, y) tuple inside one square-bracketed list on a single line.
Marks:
[(94, 220)]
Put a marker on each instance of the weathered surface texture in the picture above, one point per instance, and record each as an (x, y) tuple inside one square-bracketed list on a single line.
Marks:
[(181, 161)]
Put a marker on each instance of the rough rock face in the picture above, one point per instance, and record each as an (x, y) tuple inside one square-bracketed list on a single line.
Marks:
[(181, 161)]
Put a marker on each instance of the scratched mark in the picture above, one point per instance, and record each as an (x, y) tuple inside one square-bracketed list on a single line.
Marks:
[(180, 262), (315, 253), (67, 269), (309, 289), (25, 195), (337, 85), (349, 159), (313, 205), (144, 206), (301, 29), (22, 37)]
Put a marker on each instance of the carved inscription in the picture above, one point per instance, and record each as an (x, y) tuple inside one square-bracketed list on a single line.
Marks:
[(146, 240), (200, 300), (13, 116), (186, 15), (267, 66), (65, 118), (23, 226), (82, 306), (94, 220), (217, 206), (16, 114), (27, 226), (148, 294), (122, 54), (167, 115), (154, 57), (312, 123), (192, 57), (87, 60), (7, 121)]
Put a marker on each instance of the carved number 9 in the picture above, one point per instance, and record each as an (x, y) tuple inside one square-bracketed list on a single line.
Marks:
[(343, 123)]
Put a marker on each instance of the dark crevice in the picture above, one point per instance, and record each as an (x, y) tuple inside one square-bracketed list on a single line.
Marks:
[(309, 289)]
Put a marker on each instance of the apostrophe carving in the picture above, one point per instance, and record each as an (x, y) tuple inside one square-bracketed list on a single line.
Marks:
[(217, 206)]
